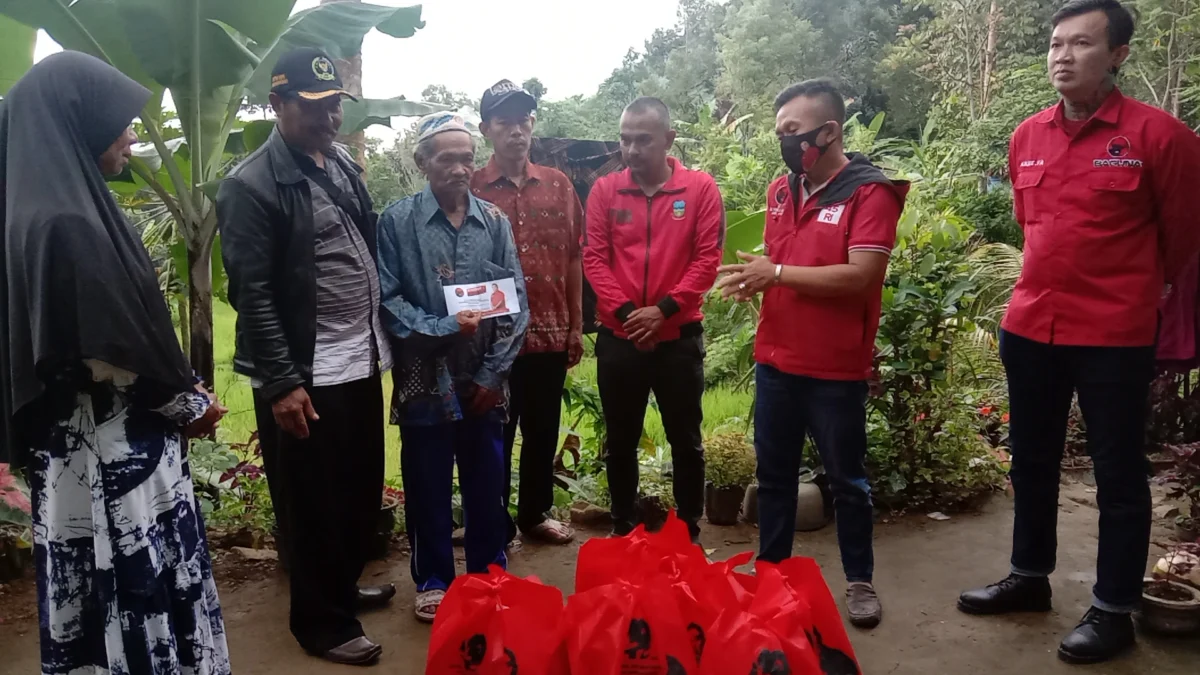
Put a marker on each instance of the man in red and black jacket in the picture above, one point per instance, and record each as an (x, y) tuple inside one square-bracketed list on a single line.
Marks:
[(831, 226), (652, 243)]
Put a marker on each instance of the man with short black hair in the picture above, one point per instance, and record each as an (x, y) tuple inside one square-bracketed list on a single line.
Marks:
[(299, 247), (1103, 188), (653, 240), (547, 223), (831, 226)]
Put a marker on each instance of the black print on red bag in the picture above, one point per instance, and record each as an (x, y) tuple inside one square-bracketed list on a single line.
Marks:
[(698, 639), (833, 662), (675, 667), (473, 650), (512, 661), (639, 640), (771, 663)]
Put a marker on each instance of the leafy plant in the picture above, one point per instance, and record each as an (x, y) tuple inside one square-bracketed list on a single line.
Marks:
[(729, 460), (15, 507), (1183, 479), (210, 56)]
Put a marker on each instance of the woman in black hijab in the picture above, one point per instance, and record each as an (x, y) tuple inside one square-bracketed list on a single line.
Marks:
[(96, 397)]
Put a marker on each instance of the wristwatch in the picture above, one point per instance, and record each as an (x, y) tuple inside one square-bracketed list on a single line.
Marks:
[(778, 272)]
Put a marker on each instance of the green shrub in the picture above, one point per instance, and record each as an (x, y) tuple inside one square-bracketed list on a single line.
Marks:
[(729, 460)]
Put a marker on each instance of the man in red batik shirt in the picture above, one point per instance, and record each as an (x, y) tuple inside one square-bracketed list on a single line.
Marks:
[(547, 222), (1103, 187)]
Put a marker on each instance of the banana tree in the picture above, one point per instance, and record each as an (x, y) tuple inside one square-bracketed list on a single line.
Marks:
[(16, 51), (209, 55)]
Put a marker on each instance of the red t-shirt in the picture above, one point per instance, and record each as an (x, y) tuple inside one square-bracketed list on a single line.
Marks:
[(1109, 214), (826, 338)]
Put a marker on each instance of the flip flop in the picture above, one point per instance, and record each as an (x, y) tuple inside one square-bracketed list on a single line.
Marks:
[(552, 532), (426, 605)]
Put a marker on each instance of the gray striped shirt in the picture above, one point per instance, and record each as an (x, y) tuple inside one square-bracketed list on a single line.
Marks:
[(350, 340)]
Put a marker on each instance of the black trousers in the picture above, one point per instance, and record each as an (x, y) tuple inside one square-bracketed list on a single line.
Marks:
[(535, 405), (674, 371), (330, 487), (1113, 384)]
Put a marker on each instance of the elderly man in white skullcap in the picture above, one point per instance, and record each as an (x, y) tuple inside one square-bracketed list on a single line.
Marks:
[(443, 254)]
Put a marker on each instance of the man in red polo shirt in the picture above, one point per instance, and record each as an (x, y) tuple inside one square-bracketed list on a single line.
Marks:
[(547, 222), (1104, 188), (651, 248), (831, 226)]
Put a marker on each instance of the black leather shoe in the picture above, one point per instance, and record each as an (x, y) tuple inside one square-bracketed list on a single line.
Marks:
[(374, 597), (358, 652), (1014, 594), (1100, 636)]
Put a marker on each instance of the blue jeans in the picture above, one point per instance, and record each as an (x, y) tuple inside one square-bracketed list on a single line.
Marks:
[(1113, 384), (788, 408), (427, 455)]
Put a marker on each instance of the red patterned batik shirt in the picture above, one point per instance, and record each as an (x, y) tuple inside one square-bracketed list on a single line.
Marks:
[(547, 222)]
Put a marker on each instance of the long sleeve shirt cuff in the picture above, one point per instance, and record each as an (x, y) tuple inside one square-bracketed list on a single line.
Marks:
[(624, 311), (668, 307), (489, 380)]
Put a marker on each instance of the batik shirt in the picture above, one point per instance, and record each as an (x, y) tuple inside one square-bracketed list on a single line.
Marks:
[(547, 222), (420, 251)]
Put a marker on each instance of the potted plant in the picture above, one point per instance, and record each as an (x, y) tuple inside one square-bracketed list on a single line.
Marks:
[(1183, 482), (729, 469), (393, 499), (1169, 604), (16, 540)]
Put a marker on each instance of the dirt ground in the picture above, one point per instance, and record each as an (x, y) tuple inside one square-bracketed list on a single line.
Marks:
[(921, 565)]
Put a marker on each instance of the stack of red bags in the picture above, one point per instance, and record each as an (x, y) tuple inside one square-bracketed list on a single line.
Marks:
[(646, 604)]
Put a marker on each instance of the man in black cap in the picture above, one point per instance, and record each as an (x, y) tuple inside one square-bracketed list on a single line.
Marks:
[(547, 222), (299, 248)]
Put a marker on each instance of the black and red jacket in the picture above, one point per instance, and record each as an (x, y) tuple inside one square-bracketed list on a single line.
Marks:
[(663, 250)]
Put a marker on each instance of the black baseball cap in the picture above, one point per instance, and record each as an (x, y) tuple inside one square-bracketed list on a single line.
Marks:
[(307, 73), (502, 92)]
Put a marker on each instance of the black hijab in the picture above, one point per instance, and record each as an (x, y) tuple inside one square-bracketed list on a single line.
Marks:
[(77, 282)]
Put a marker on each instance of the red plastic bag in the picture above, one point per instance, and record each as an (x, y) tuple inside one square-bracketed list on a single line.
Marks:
[(498, 624), (765, 638), (826, 633), (627, 629), (638, 556)]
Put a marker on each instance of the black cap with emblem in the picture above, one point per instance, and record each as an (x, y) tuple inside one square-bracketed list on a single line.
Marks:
[(502, 92), (307, 73)]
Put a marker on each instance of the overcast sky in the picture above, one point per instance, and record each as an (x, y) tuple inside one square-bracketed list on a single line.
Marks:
[(467, 45)]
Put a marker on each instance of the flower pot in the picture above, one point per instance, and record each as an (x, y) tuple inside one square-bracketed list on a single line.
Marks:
[(723, 504), (750, 505), (810, 507), (653, 513), (1172, 609)]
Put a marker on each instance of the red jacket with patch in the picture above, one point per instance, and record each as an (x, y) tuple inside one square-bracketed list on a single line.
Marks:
[(663, 250)]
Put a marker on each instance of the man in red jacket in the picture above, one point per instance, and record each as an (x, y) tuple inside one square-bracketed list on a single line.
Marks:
[(831, 226), (652, 243), (1104, 188)]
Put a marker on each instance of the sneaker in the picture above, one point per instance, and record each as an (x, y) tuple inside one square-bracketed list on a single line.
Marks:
[(1014, 594), (862, 604), (1099, 636)]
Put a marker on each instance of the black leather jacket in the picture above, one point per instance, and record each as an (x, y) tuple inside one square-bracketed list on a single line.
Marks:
[(264, 212)]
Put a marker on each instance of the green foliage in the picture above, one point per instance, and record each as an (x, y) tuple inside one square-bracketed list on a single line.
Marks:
[(15, 507), (729, 460), (231, 487), (16, 52), (990, 213), (765, 46)]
